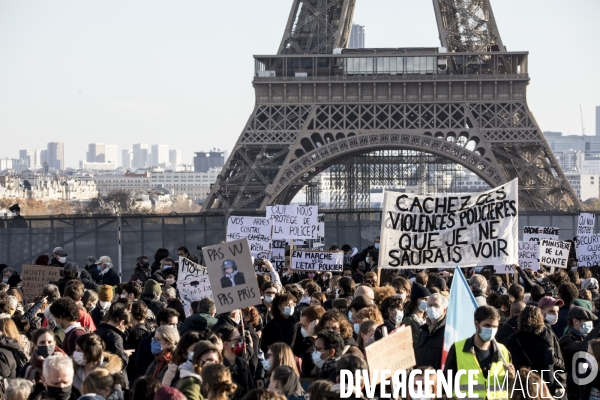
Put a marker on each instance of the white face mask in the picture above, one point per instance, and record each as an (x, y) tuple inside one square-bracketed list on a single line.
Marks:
[(551, 319), (62, 260), (104, 304), (401, 296), (317, 360), (268, 299), (423, 305), (434, 313), (79, 358), (170, 281), (303, 332)]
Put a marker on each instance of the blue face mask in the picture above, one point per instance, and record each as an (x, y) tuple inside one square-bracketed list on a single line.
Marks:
[(478, 269), (376, 246), (288, 311), (99, 268), (156, 348), (5, 280)]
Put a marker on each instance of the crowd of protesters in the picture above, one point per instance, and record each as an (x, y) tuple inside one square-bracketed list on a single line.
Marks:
[(91, 336)]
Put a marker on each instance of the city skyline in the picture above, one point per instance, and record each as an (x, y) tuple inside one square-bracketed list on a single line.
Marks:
[(95, 87)]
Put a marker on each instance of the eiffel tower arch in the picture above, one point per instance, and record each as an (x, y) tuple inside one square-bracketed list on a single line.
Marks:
[(318, 103)]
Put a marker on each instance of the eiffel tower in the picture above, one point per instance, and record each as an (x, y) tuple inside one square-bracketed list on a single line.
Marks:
[(319, 103)]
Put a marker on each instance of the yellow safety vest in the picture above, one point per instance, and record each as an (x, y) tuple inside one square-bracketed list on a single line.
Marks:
[(494, 389)]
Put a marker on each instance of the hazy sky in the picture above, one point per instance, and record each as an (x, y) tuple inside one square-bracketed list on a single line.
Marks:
[(180, 72)]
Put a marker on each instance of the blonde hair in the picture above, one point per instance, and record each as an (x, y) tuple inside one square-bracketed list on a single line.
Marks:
[(18, 389), (8, 328), (283, 355), (170, 334), (99, 380), (370, 313)]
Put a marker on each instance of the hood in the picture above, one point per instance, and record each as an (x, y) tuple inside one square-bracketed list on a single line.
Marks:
[(185, 373), (9, 343), (354, 252)]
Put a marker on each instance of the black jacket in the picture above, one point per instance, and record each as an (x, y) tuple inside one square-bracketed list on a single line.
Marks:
[(98, 314), (139, 275), (538, 352), (153, 303), (507, 329), (114, 340), (8, 362), (94, 273), (134, 339), (55, 263), (143, 355), (62, 283), (241, 376), (562, 322), (238, 278), (279, 329), (429, 347), (570, 344), (110, 278)]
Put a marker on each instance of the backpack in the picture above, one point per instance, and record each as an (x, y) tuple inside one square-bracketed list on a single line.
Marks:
[(20, 359)]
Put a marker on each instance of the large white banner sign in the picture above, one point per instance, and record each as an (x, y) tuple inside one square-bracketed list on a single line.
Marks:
[(256, 230), (588, 250), (294, 222), (420, 231)]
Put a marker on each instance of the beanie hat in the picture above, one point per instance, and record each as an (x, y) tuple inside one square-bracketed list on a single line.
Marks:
[(202, 347), (152, 287), (588, 305), (105, 293), (440, 283), (360, 302), (14, 280), (418, 291), (168, 393)]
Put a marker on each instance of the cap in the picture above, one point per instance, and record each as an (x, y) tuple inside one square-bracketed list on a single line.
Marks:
[(105, 293), (104, 259), (548, 301), (59, 251), (581, 313), (168, 393), (14, 207), (202, 347), (359, 302), (418, 291)]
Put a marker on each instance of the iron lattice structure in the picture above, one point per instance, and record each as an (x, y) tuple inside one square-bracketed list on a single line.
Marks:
[(317, 107)]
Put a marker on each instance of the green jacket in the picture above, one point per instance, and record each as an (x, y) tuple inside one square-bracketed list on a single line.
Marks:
[(189, 385), (197, 323)]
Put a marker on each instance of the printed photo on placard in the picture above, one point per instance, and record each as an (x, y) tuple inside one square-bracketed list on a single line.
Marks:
[(230, 264)]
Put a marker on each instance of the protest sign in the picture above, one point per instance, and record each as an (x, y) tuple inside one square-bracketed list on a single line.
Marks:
[(192, 282), (278, 254), (394, 352), (319, 241), (537, 233), (303, 260), (257, 230), (554, 253), (585, 224), (420, 231), (588, 250), (35, 277), (232, 277), (529, 254), (294, 222), (504, 269)]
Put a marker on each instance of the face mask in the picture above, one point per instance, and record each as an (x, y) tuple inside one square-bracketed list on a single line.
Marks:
[(156, 348), (91, 307), (5, 280), (423, 305), (369, 340), (288, 311), (266, 364), (362, 266), (170, 281), (487, 334), (268, 299), (146, 265), (434, 313), (376, 246), (399, 317), (123, 296), (540, 280), (586, 327), (316, 357), (367, 259), (79, 358), (401, 296), (238, 347), (551, 319), (45, 351), (356, 328), (190, 356), (99, 268), (104, 304), (303, 332), (350, 316), (59, 393), (62, 260), (478, 269)]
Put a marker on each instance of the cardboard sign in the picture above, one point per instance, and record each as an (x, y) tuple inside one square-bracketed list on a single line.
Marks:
[(189, 269), (554, 253), (332, 261), (294, 222), (394, 352), (319, 241), (537, 233), (585, 224), (588, 250), (419, 231), (257, 230), (504, 269), (192, 283), (529, 255), (35, 277), (278, 254), (232, 277)]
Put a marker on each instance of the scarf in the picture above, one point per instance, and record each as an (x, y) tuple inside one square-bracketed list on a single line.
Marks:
[(163, 359), (34, 372)]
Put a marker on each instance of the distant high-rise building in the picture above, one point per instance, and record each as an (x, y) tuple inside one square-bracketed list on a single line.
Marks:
[(597, 120), (140, 155), (32, 158), (207, 160), (96, 153), (357, 37), (112, 154), (175, 157), (56, 155), (127, 156), (160, 154), (43, 157)]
